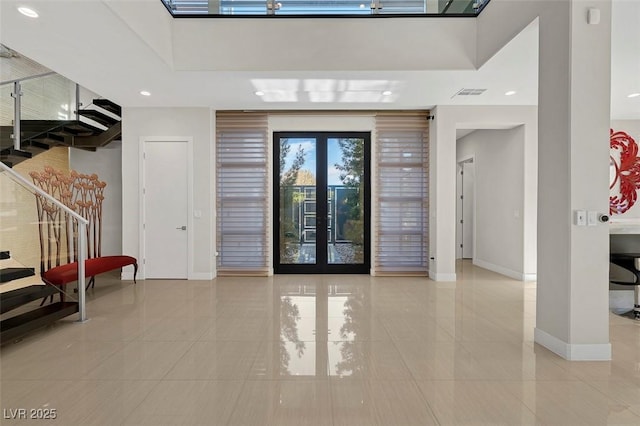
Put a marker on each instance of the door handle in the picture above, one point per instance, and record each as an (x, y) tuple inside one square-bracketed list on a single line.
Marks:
[(182, 228)]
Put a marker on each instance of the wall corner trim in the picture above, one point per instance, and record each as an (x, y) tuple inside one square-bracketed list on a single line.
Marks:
[(500, 269), (442, 276), (573, 352)]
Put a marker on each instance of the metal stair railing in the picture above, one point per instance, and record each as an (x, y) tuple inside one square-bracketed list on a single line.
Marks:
[(16, 95), (82, 234)]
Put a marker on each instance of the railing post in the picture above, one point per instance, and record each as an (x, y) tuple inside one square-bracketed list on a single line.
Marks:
[(376, 7), (78, 103), (272, 7), (82, 254), (16, 95)]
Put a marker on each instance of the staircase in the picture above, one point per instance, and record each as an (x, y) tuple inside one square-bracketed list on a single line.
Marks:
[(15, 326), (97, 125)]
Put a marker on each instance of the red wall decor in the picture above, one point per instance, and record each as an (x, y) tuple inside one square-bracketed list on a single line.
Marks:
[(625, 172)]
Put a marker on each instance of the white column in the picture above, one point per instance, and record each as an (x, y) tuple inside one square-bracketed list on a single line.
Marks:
[(442, 196), (574, 99)]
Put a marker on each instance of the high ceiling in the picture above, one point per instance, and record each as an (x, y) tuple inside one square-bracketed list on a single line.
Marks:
[(118, 48)]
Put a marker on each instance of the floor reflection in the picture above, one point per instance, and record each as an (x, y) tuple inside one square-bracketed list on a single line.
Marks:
[(321, 328)]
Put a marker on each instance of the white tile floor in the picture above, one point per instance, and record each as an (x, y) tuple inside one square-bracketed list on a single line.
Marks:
[(315, 350)]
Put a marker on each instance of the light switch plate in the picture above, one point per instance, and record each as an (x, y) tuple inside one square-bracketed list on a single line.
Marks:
[(580, 217)]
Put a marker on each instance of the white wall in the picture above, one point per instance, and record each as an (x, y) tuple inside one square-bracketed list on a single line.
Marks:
[(442, 179), (192, 122), (499, 198), (107, 164), (341, 44), (151, 23), (494, 31)]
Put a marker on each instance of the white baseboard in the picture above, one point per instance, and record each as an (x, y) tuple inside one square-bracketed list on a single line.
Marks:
[(530, 277), (204, 276), (573, 352), (128, 276), (500, 269), (442, 276)]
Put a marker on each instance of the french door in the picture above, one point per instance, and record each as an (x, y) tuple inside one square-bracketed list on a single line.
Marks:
[(322, 202)]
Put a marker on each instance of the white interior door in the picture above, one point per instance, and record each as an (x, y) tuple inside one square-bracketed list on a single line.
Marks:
[(166, 209)]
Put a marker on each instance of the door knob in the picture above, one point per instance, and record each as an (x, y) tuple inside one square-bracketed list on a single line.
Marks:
[(183, 227)]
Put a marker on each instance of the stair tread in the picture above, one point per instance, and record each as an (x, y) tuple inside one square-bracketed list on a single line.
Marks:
[(18, 325), (79, 128), (29, 128), (38, 145), (48, 138), (15, 153), (98, 117), (15, 298), (15, 273), (109, 106)]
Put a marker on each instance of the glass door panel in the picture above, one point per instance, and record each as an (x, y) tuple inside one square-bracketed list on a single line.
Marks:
[(322, 198), (297, 213), (345, 197)]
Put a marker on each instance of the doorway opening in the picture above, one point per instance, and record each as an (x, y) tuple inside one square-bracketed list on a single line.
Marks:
[(465, 210)]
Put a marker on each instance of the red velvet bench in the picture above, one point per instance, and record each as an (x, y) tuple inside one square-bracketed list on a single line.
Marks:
[(64, 274)]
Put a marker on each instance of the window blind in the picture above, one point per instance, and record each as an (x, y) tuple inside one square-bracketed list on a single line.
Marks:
[(242, 192), (401, 215)]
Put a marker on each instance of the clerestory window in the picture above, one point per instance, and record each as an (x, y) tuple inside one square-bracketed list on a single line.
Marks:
[(348, 8)]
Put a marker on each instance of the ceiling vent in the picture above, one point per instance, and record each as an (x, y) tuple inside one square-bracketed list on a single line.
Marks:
[(469, 92)]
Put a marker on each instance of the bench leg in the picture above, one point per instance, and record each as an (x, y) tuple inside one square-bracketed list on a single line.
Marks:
[(91, 283), (636, 302), (50, 298), (135, 272)]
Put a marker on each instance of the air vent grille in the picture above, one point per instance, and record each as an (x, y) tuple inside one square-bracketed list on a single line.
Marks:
[(469, 92)]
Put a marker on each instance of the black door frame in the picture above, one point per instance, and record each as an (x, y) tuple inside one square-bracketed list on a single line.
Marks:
[(322, 266)]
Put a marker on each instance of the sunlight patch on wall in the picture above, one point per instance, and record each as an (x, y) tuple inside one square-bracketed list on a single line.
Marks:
[(326, 90)]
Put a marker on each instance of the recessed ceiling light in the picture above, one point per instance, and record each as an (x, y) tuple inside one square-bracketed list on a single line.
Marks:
[(259, 93), (145, 93), (27, 11), (633, 95), (387, 92), (510, 93), (362, 6)]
